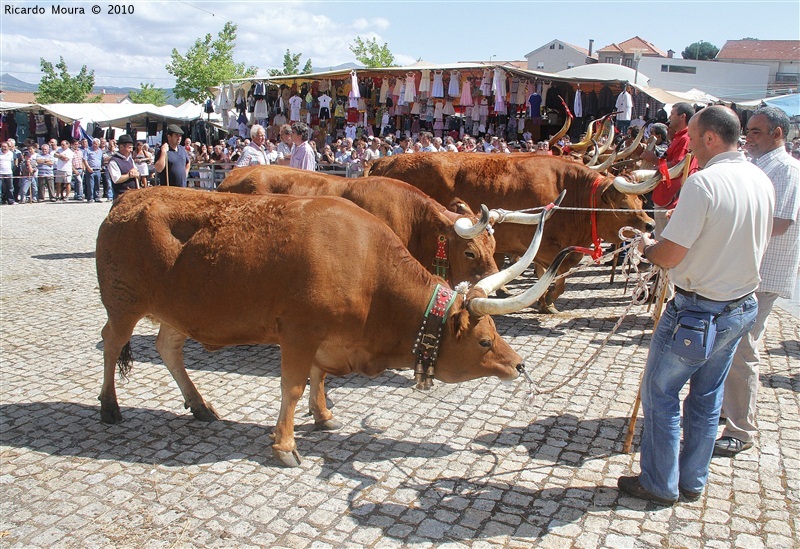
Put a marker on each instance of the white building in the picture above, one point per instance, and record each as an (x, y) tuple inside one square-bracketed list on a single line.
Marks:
[(728, 81), (558, 55)]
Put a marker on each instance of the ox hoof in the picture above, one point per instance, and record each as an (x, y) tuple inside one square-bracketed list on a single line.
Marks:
[(205, 413), (290, 459), (502, 293), (328, 425), (109, 413), (548, 309)]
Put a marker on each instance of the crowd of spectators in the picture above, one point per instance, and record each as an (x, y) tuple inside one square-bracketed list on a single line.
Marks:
[(76, 170)]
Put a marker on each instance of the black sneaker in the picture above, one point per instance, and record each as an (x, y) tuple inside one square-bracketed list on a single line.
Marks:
[(632, 487), (690, 496)]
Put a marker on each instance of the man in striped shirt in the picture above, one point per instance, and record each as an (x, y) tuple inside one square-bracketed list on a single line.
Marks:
[(254, 153), (766, 134)]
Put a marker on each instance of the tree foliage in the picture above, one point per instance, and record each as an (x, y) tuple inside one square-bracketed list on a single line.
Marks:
[(702, 51), (291, 62), (61, 87), (370, 54), (209, 62), (149, 94)]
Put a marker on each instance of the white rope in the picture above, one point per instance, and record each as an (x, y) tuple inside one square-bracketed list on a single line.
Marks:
[(640, 295), (576, 209)]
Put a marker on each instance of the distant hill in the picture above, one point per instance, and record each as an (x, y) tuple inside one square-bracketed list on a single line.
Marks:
[(9, 83)]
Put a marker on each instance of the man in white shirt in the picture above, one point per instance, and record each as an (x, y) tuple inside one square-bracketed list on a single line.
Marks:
[(373, 151), (254, 153), (63, 170), (712, 246), (624, 105), (766, 135)]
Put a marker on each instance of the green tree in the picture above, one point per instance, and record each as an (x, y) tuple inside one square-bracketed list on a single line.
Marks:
[(702, 51), (207, 63), (149, 94), (61, 87), (290, 64), (370, 54)]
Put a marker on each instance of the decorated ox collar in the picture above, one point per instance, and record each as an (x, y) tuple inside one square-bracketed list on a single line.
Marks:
[(426, 346)]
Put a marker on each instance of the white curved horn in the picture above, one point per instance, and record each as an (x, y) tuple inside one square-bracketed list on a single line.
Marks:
[(595, 154), (651, 143), (468, 230), (609, 138), (627, 151), (625, 186), (604, 166), (484, 306), (465, 229), (494, 281)]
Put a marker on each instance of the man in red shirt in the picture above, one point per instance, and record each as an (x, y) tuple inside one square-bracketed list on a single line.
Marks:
[(665, 196)]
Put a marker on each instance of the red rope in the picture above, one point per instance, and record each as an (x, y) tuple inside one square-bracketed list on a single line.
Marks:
[(597, 252)]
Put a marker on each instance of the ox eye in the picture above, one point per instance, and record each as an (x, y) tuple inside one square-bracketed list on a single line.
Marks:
[(486, 343), (470, 255)]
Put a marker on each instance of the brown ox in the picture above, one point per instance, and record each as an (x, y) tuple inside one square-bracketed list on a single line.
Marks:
[(415, 217), (320, 276), (516, 182)]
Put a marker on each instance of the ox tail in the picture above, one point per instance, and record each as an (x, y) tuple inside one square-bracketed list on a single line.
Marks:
[(125, 361)]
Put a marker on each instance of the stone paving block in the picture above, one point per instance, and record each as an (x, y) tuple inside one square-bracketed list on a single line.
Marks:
[(469, 465)]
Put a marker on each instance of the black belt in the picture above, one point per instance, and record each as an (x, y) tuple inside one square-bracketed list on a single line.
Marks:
[(733, 302)]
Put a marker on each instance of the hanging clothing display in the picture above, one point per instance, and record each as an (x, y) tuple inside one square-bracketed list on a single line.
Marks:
[(425, 82), (466, 93), (486, 83), (448, 109), (437, 113), (384, 91), (577, 107), (410, 94), (438, 84), (452, 88), (499, 83), (354, 84), (398, 87)]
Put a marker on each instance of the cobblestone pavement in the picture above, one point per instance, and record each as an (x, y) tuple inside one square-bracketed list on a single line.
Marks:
[(470, 465)]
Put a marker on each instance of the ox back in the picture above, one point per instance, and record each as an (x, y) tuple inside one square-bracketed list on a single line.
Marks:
[(518, 182), (411, 214)]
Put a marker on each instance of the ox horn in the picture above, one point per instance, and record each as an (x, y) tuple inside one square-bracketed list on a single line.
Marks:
[(651, 143), (484, 306), (563, 131), (595, 154), (605, 165), (465, 229), (587, 139), (649, 179), (609, 137), (627, 151)]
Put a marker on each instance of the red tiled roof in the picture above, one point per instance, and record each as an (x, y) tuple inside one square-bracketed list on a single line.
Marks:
[(633, 44), (761, 50)]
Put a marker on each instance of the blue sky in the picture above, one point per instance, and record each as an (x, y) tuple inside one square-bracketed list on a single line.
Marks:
[(125, 50)]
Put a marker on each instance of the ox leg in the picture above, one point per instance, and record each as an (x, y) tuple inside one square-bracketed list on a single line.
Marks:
[(169, 344), (115, 339), (323, 417), (295, 371)]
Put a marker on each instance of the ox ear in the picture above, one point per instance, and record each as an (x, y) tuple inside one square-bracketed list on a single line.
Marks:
[(460, 207), (610, 194), (461, 319)]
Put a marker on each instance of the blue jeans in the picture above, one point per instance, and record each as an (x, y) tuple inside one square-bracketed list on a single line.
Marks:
[(664, 464), (92, 183), (28, 183), (77, 184)]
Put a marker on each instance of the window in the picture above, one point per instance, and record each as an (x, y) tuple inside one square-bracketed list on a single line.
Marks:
[(570, 65), (608, 60), (540, 65), (682, 69), (561, 46), (552, 46), (786, 77), (628, 62)]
